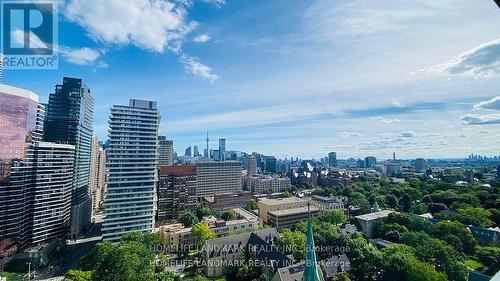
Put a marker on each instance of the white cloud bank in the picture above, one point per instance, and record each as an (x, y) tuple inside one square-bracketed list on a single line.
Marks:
[(194, 67), (486, 119), (202, 38), (493, 103), (148, 24), (483, 61)]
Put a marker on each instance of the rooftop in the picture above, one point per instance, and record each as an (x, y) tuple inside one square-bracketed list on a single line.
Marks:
[(18, 92), (375, 215), (280, 201), (294, 211)]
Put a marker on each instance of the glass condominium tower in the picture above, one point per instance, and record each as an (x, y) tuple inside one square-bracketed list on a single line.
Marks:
[(69, 120), (131, 161)]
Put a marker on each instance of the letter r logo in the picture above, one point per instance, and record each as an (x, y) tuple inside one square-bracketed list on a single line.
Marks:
[(27, 28)]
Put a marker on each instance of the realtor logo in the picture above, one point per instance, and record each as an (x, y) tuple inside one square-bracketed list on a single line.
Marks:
[(29, 34)]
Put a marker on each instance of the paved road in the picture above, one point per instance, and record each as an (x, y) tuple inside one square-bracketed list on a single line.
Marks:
[(71, 254)]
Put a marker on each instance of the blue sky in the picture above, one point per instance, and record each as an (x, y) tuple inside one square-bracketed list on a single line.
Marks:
[(292, 77)]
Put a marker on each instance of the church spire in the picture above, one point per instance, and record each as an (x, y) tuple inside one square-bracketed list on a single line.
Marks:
[(311, 272)]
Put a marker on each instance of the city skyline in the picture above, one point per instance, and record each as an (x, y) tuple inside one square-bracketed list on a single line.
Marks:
[(364, 79)]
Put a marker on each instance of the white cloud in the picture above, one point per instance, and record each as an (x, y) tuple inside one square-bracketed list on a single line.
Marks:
[(218, 3), (407, 134), (395, 102), (345, 135), (202, 38), (196, 68), (386, 120), (486, 119), (82, 56), (483, 61), (154, 25), (355, 19), (493, 103)]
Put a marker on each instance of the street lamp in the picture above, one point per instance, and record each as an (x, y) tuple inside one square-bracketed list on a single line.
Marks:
[(29, 270)]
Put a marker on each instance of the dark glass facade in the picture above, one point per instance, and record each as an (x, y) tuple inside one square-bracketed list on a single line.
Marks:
[(69, 117), (18, 112)]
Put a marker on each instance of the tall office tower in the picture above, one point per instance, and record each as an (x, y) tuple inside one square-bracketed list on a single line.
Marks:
[(207, 151), (176, 191), (196, 153), (218, 178), (68, 120), (166, 151), (18, 116), (420, 165), (50, 184), (370, 162), (271, 164), (132, 164), (188, 152), (394, 156), (251, 165), (222, 149), (332, 159), (97, 174)]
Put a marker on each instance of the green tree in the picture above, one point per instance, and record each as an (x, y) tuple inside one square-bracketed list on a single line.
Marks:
[(406, 203), (229, 215), (437, 253), (333, 217), (202, 233), (130, 261), (252, 205), (188, 219), (342, 276), (451, 231), (97, 255), (78, 275), (392, 201), (476, 216), (366, 260), (146, 238), (490, 257), (287, 194), (203, 210), (293, 242), (400, 263)]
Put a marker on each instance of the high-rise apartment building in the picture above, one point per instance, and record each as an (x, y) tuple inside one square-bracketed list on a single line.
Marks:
[(176, 191), (97, 182), (69, 117), (218, 177), (132, 164), (420, 165), (166, 151), (188, 152), (18, 115), (332, 159), (222, 150), (51, 168), (370, 162), (36, 178), (271, 164), (251, 165)]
